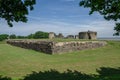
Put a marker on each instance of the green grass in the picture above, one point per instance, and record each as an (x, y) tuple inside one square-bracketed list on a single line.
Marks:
[(57, 40), (2, 42), (17, 62)]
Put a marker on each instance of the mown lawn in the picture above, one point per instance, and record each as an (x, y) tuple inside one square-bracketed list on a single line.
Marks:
[(17, 62)]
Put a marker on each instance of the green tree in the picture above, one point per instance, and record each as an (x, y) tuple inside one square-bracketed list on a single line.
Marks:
[(21, 37), (15, 10), (3, 37), (12, 36), (30, 36), (117, 29), (40, 35), (110, 9)]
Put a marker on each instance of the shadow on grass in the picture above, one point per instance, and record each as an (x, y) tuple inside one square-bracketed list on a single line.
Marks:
[(5, 78), (109, 73), (104, 74)]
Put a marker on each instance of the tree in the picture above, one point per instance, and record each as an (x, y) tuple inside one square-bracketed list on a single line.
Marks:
[(117, 29), (30, 36), (12, 36), (21, 37), (15, 10), (110, 9), (3, 37), (40, 35)]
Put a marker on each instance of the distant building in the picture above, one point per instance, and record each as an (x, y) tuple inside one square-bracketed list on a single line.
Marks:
[(70, 37), (88, 35), (51, 35), (82, 35), (60, 35), (76, 37)]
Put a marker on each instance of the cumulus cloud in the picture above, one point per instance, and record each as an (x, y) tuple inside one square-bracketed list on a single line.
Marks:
[(104, 28)]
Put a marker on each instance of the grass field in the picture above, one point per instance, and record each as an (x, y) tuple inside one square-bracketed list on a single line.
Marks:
[(17, 62)]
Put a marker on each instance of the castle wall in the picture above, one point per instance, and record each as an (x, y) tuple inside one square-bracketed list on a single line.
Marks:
[(51, 47), (93, 35), (83, 35), (88, 35), (70, 37), (51, 35)]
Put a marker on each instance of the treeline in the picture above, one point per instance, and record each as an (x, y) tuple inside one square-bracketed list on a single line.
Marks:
[(36, 35)]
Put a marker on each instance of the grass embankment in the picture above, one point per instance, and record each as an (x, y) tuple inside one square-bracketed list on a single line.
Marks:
[(17, 62)]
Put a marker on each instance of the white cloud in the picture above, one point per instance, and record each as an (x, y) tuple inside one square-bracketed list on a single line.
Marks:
[(104, 28), (65, 18)]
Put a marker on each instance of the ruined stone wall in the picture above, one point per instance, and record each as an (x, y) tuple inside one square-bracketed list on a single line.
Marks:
[(51, 35), (70, 37), (62, 47), (83, 35), (76, 37), (51, 47), (88, 35), (42, 46), (93, 35)]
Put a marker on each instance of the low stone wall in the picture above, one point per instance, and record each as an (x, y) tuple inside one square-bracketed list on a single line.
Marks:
[(42, 46), (51, 47)]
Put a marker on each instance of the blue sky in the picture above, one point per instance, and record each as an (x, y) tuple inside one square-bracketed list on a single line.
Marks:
[(60, 16)]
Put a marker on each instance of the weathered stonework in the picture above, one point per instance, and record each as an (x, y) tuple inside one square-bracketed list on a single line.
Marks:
[(82, 35), (60, 35), (88, 35), (76, 37), (70, 37), (51, 35), (51, 47)]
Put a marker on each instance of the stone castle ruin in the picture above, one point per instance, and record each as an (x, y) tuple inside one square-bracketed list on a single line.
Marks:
[(70, 37), (88, 35), (76, 36), (91, 35), (51, 35), (52, 47), (60, 35)]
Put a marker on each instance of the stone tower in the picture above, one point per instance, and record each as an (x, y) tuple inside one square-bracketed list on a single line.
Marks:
[(92, 35), (51, 35), (83, 35), (60, 35), (88, 35)]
